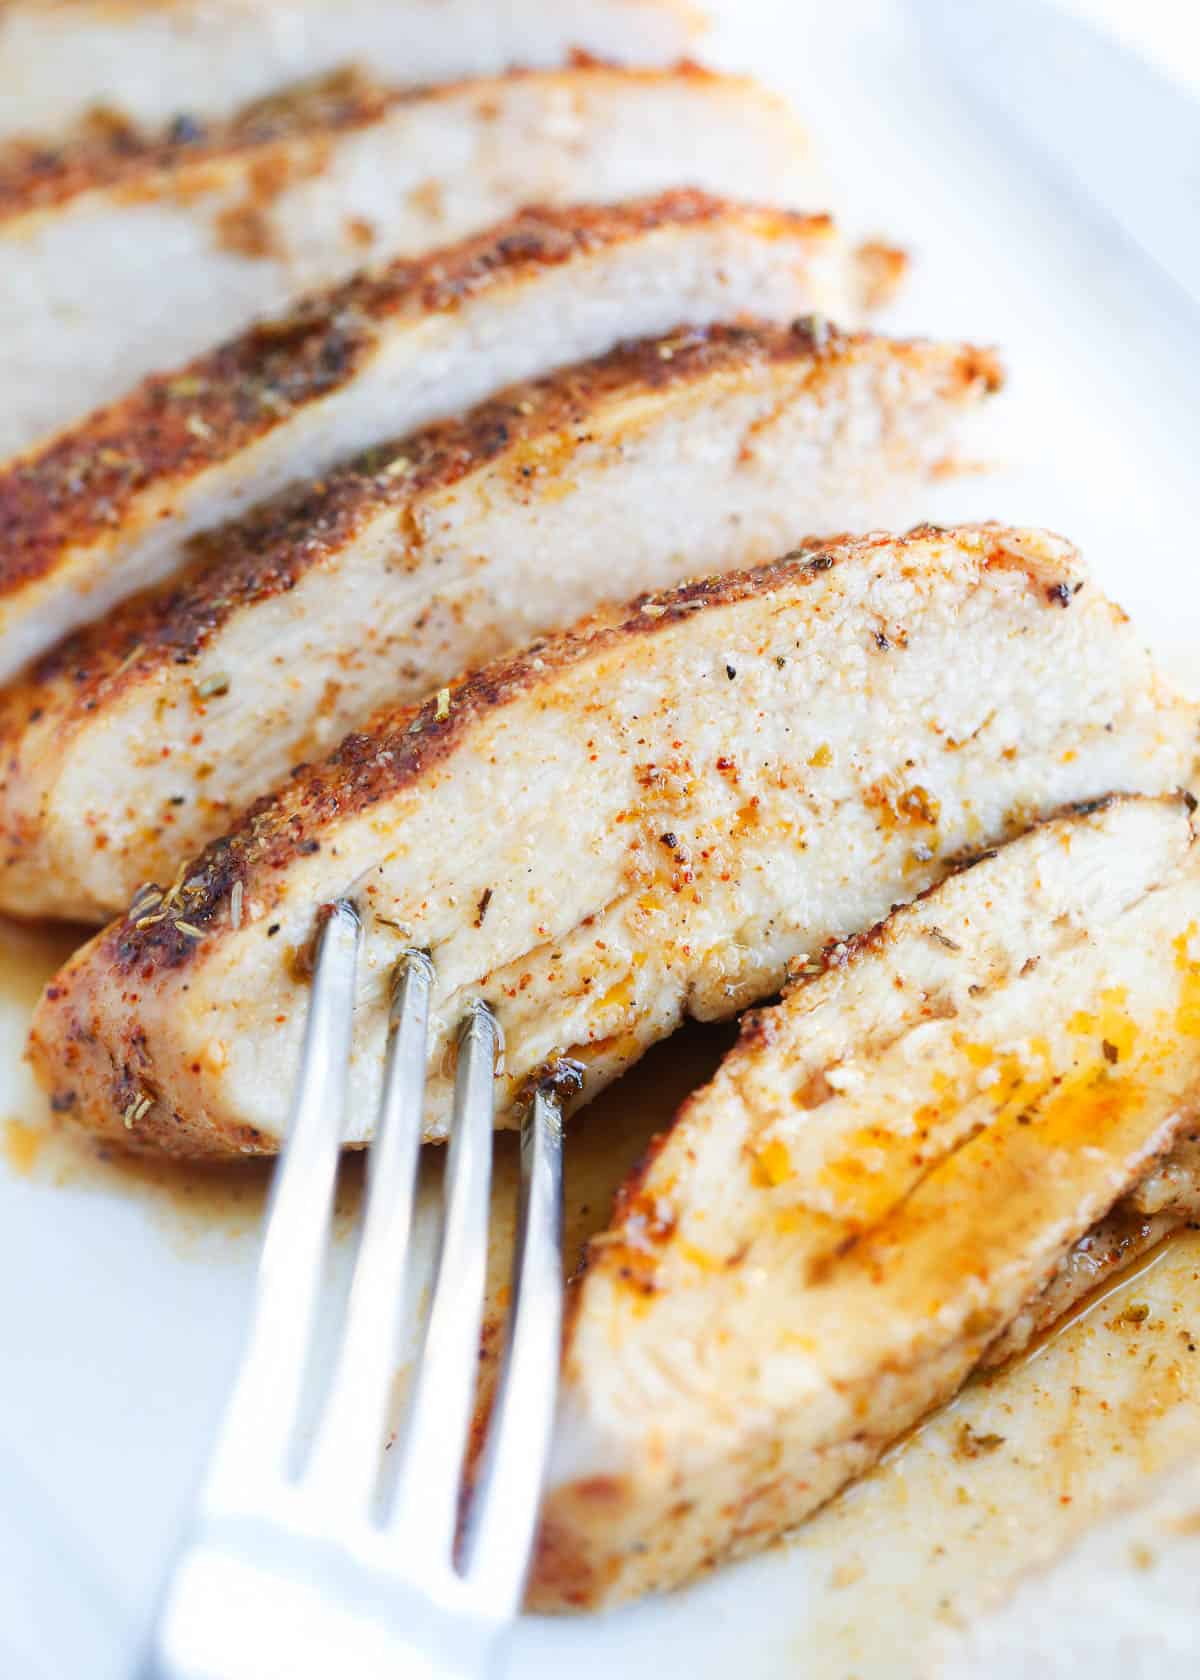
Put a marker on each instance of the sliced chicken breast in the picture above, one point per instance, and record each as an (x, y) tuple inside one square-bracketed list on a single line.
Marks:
[(145, 63), (642, 819), (139, 740), (107, 508), (119, 258), (889, 1164)]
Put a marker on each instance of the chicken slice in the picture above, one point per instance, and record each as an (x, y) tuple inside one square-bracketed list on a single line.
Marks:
[(645, 818), (121, 258), (199, 60), (106, 508), (138, 740), (889, 1164)]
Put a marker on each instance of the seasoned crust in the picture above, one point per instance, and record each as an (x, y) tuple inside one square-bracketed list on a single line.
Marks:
[(266, 553), (399, 747), (278, 137), (176, 426), (105, 150)]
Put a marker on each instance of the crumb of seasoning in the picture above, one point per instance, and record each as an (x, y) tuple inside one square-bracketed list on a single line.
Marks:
[(443, 704), (1062, 593), (943, 939), (147, 897), (1137, 1312), (131, 658), (273, 930), (731, 672), (218, 683), (137, 1110), (481, 909), (968, 1444), (816, 328), (185, 130)]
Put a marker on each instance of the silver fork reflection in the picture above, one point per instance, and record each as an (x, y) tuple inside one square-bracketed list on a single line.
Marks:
[(299, 1562)]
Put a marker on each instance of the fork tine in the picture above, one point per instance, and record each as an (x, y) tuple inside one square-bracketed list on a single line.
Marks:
[(507, 1493), (425, 1508), (257, 1437), (345, 1462)]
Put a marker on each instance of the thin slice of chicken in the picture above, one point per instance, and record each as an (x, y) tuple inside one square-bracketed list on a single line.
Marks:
[(119, 259), (144, 63), (140, 739), (107, 507), (888, 1165), (642, 819)]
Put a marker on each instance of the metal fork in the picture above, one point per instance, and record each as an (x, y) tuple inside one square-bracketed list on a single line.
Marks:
[(299, 1563)]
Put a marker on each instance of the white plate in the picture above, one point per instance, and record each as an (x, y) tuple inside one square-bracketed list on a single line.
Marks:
[(123, 1296)]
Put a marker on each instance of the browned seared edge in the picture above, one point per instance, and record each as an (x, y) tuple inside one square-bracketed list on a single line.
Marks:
[(401, 745), (268, 552), (175, 426), (108, 151)]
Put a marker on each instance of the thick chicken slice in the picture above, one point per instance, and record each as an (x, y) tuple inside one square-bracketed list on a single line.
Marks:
[(106, 508), (642, 819), (136, 742), (889, 1164), (143, 63), (119, 258)]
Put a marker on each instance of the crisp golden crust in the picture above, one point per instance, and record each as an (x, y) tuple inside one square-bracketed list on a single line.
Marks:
[(277, 139), (398, 748), (269, 551), (106, 151), (176, 426)]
